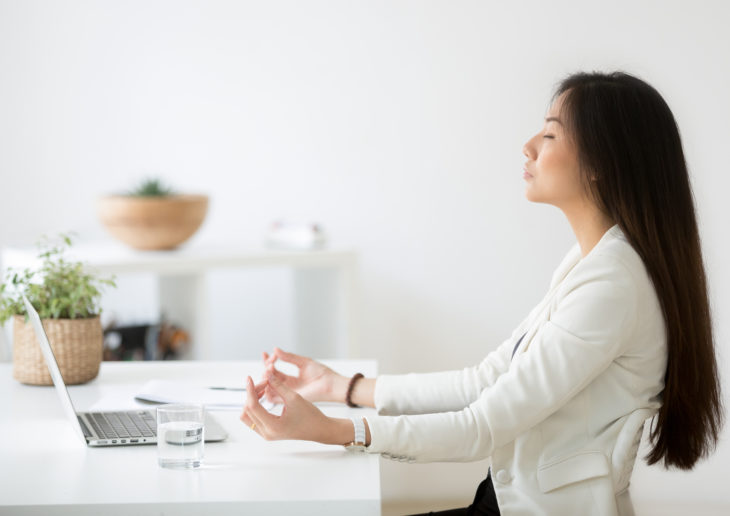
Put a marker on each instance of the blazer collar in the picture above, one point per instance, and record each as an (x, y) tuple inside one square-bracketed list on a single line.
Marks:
[(574, 257)]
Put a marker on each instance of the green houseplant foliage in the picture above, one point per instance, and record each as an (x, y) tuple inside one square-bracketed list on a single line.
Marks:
[(152, 188), (59, 289)]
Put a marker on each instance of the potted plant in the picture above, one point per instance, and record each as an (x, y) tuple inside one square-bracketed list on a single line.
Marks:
[(66, 297), (152, 216)]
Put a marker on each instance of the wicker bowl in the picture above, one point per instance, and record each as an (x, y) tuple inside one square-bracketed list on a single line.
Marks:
[(153, 223), (76, 344)]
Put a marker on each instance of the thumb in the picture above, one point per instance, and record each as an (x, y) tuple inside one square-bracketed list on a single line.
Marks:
[(279, 388)]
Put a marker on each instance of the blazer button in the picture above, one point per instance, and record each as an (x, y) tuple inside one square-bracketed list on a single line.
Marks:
[(503, 476)]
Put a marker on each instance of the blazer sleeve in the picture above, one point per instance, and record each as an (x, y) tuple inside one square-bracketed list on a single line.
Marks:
[(425, 393), (594, 313)]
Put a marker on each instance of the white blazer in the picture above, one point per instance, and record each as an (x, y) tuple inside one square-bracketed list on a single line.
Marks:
[(562, 420)]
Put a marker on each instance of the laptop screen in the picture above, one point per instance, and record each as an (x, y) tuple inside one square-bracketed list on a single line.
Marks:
[(40, 333)]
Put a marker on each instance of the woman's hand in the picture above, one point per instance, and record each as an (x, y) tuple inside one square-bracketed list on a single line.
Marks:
[(315, 382), (299, 419)]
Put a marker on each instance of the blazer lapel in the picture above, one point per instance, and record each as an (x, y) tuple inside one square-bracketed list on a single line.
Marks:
[(542, 314)]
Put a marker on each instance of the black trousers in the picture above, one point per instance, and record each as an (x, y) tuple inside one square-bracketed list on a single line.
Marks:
[(484, 504)]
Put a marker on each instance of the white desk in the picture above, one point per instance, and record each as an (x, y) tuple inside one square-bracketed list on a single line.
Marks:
[(57, 474), (323, 286)]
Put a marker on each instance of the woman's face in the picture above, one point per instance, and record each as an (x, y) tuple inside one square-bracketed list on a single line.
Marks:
[(551, 173)]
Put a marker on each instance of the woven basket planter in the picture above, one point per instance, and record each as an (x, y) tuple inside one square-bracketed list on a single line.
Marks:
[(76, 343)]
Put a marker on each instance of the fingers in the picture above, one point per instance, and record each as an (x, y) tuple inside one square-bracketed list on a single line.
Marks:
[(297, 360), (272, 396), (254, 424), (268, 375), (281, 390), (269, 360), (275, 373), (260, 389), (258, 414), (247, 416), (256, 390)]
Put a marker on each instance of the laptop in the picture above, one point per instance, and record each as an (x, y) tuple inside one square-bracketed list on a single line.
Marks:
[(108, 428)]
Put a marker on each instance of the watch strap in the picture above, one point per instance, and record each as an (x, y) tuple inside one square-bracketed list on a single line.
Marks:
[(359, 425)]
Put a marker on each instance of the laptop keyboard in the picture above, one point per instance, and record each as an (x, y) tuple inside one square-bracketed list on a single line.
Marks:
[(112, 425)]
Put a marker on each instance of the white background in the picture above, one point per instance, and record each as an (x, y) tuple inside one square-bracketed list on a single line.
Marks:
[(397, 125)]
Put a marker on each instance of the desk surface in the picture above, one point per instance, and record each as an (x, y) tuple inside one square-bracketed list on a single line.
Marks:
[(47, 470)]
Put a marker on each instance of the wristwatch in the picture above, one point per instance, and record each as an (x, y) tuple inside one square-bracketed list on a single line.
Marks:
[(358, 444)]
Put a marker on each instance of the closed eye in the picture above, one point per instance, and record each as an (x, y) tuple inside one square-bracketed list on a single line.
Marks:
[(548, 136)]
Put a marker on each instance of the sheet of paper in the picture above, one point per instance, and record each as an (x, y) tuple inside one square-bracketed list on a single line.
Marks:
[(165, 391)]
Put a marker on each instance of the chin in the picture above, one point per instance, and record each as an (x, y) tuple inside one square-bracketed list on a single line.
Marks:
[(530, 195), (537, 199)]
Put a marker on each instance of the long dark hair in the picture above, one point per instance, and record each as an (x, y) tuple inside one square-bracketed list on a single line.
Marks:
[(633, 166)]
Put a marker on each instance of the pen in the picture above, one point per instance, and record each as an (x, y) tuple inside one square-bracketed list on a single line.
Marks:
[(228, 388)]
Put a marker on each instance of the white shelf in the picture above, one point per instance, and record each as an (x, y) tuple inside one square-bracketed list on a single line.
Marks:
[(115, 258), (323, 285)]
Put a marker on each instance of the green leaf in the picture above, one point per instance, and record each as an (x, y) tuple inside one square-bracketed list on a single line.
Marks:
[(58, 288), (151, 188)]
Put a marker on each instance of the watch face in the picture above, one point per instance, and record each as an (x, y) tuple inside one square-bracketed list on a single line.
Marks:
[(355, 447)]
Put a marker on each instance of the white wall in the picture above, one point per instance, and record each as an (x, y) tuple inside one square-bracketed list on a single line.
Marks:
[(398, 125)]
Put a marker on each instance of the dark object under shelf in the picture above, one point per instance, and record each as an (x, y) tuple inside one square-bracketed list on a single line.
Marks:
[(144, 342)]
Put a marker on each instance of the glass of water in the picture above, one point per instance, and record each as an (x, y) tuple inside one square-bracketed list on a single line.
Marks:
[(180, 435)]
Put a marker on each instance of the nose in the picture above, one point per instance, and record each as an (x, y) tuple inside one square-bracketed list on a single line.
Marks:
[(529, 149)]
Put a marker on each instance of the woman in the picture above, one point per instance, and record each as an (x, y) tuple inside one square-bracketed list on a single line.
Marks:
[(623, 334)]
